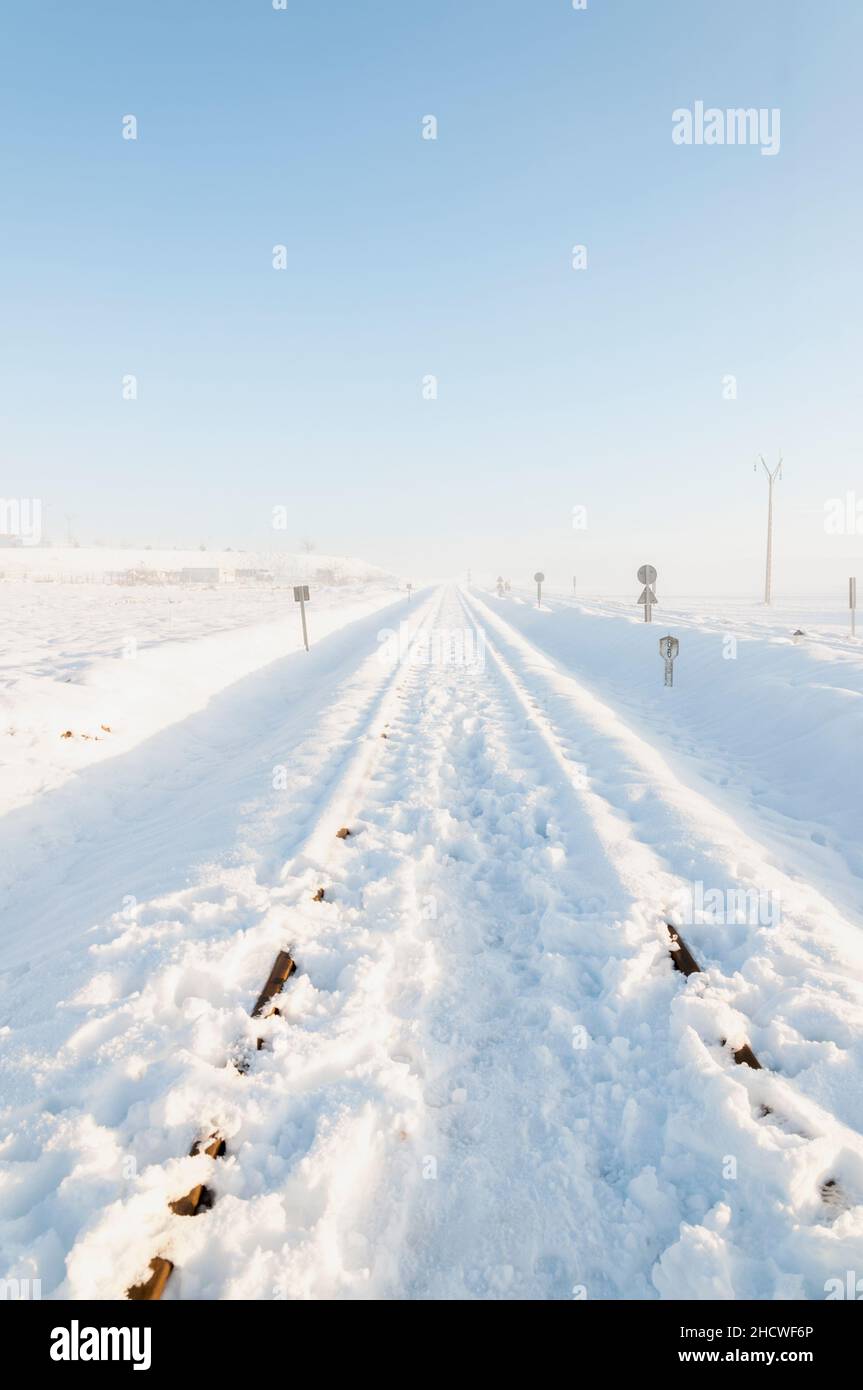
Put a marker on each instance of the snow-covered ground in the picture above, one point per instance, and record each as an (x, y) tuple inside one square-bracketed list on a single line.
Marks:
[(89, 670), (486, 1079)]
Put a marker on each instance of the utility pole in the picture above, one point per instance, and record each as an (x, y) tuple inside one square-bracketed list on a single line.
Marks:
[(771, 479)]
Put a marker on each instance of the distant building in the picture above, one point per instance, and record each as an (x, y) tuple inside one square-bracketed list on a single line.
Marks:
[(199, 574)]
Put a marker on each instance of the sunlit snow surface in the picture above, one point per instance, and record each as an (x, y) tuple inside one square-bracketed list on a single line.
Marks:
[(486, 1081)]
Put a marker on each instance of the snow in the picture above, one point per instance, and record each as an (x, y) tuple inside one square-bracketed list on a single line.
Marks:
[(486, 1079)]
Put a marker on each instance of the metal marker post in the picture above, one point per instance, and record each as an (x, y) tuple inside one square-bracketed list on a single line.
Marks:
[(539, 580), (852, 604), (409, 587), (301, 596), (573, 583), (647, 577), (668, 649)]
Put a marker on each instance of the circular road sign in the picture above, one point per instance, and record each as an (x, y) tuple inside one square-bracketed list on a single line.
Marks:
[(539, 577), (647, 575)]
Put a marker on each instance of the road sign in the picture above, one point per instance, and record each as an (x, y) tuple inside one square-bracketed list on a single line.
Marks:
[(409, 587), (500, 586), (647, 577), (301, 596), (668, 649), (852, 603), (539, 580)]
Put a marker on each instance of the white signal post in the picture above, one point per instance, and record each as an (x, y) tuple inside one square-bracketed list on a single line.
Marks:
[(409, 588), (301, 596), (647, 576), (539, 580)]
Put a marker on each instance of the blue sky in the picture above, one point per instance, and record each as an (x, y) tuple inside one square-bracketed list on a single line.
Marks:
[(406, 257)]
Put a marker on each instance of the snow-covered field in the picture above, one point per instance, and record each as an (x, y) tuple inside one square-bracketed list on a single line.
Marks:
[(88, 670), (486, 1079)]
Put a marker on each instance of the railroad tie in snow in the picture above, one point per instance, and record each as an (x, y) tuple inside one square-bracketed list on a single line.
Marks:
[(200, 1197), (153, 1288), (282, 970), (685, 962), (744, 1056), (682, 957)]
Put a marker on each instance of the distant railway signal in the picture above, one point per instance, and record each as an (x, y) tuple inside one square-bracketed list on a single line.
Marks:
[(647, 576), (539, 580)]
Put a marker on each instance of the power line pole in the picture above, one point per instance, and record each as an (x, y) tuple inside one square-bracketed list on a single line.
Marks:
[(771, 479)]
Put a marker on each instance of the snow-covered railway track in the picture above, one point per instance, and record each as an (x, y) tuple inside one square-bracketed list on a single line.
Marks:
[(314, 853), (471, 1070), (541, 690), (578, 923), (578, 779)]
